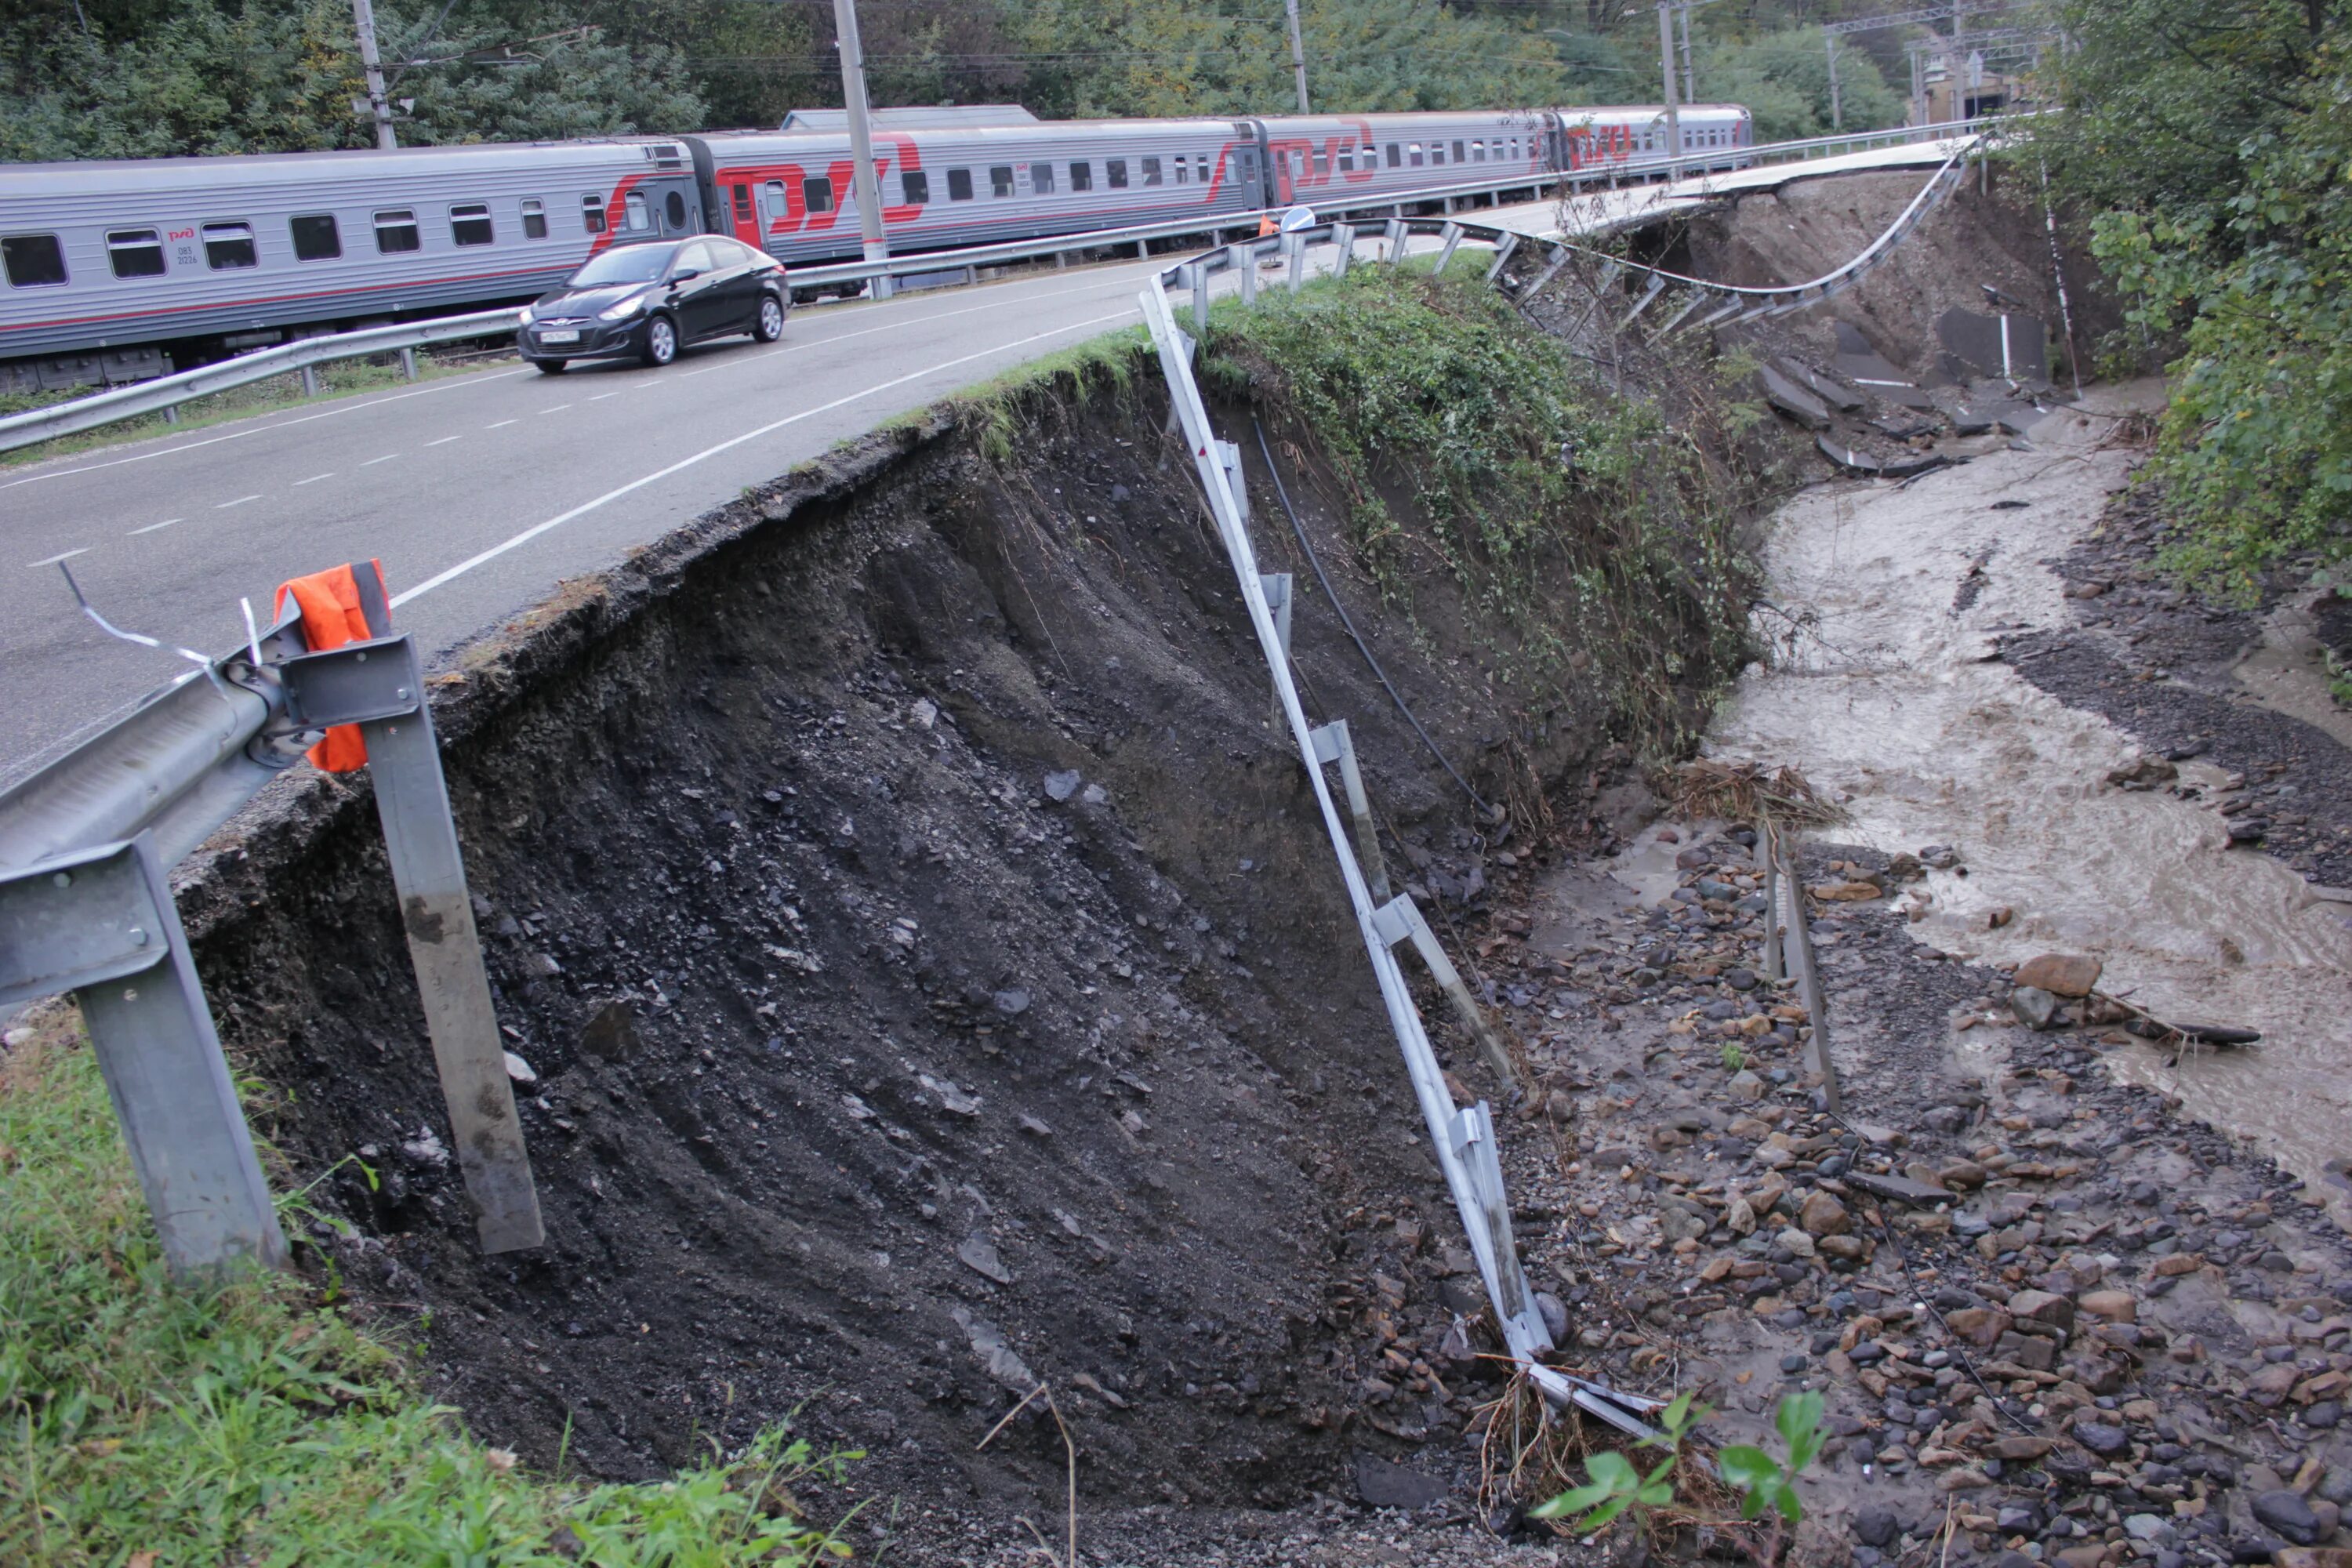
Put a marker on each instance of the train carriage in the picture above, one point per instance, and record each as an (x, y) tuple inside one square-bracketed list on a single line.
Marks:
[(1311, 157), (100, 256), (793, 192)]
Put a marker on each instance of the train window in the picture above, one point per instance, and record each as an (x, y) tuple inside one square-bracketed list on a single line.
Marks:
[(635, 213), (1396, 155), (959, 184), (1412, 154), (395, 232), (316, 237), (1115, 174), (135, 252), (469, 224), (772, 193), (1000, 180), (534, 217), (1478, 152), (592, 214), (1346, 159), (816, 195), (1182, 170), (228, 245), (1151, 171), (33, 261), (1201, 168), (674, 208), (745, 216), (1437, 153), (1082, 175), (917, 184), (1041, 178), (1457, 154)]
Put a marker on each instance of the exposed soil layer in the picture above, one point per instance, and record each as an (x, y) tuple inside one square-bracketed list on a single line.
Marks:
[(930, 972), (1807, 227)]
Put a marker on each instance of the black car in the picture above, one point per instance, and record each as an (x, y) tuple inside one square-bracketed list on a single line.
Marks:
[(650, 299)]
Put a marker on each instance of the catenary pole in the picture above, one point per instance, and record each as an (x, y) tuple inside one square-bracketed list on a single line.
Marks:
[(861, 139), (371, 66), (1297, 53), (1667, 69), (1690, 75), (1837, 114)]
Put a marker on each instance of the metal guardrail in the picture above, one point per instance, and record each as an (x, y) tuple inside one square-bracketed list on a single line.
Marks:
[(86, 847), (166, 393)]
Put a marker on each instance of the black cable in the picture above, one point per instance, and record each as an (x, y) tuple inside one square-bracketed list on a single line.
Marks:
[(1355, 636)]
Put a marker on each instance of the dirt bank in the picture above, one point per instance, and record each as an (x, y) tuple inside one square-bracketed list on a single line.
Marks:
[(928, 974)]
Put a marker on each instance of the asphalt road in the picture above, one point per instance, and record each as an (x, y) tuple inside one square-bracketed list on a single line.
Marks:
[(478, 492), (481, 493)]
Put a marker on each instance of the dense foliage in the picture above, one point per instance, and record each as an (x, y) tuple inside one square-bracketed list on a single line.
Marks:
[(2212, 143), (142, 78)]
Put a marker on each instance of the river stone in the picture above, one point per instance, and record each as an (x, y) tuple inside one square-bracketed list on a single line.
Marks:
[(1822, 1214), (2286, 1511), (2060, 974), (2035, 1008), (1384, 1485), (2115, 1306)]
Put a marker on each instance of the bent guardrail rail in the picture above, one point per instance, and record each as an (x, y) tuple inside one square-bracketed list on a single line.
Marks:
[(166, 393), (87, 846)]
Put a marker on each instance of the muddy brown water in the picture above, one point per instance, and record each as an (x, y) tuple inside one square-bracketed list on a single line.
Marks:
[(1895, 703)]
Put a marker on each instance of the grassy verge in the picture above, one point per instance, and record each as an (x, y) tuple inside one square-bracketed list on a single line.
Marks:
[(145, 1424), (345, 378)]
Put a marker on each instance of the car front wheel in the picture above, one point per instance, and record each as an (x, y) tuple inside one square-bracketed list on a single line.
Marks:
[(770, 324), (661, 341), (550, 366)]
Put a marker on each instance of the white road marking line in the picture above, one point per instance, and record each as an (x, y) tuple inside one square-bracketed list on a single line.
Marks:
[(602, 396), (153, 526), (444, 440), (557, 409), (53, 560), (528, 534), (371, 462), (499, 425), (313, 479), (240, 500), (258, 429)]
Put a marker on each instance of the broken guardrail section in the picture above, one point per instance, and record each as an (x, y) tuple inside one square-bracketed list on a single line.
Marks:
[(1462, 1140), (87, 846)]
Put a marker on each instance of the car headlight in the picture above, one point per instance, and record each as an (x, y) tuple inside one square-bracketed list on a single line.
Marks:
[(634, 305), (530, 314)]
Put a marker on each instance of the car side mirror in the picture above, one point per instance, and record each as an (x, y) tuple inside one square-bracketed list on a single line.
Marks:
[(686, 274)]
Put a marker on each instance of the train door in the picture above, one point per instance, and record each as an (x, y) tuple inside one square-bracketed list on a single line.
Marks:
[(673, 204), (1249, 163)]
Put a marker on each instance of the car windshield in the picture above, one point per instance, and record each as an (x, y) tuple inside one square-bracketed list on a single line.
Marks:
[(630, 264)]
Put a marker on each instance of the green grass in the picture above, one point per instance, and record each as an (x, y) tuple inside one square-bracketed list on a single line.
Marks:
[(145, 1424), (345, 378)]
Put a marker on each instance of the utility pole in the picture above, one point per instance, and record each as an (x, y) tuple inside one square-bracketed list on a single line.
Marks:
[(868, 187), (1690, 78), (1297, 53), (371, 65), (1837, 114), (1666, 67)]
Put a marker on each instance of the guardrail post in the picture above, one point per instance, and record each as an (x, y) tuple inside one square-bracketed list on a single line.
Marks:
[(1276, 586), (380, 686), (408, 364), (1294, 245), (1768, 843), (309, 381), (1800, 939), (1229, 457), (1334, 744), (1243, 260), (1197, 272), (1400, 920), (1451, 234), (1396, 238), (100, 923), (1502, 255), (1343, 236)]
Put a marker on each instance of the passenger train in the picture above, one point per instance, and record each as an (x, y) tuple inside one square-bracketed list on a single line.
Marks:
[(109, 271)]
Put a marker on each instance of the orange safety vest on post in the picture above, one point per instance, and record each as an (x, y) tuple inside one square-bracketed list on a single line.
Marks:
[(1267, 225), (342, 603)]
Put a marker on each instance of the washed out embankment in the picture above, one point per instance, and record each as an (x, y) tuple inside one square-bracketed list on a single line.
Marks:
[(928, 976)]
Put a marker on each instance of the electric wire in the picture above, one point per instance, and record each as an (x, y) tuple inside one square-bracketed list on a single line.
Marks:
[(1356, 636)]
